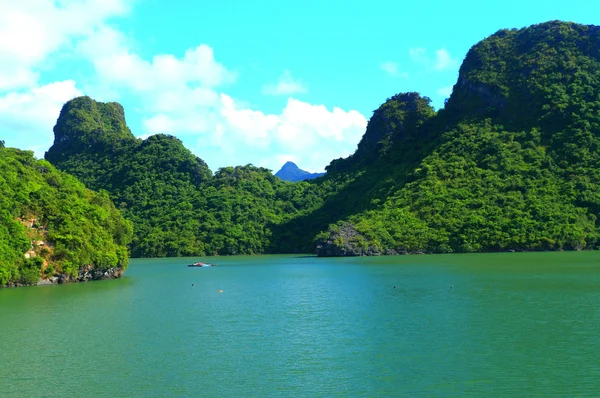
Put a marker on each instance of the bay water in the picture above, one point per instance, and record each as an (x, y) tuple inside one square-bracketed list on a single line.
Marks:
[(506, 324)]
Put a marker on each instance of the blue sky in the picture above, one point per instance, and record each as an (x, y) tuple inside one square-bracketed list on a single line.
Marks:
[(241, 82)]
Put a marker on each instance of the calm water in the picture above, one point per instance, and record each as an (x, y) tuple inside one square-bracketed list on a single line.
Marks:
[(457, 325)]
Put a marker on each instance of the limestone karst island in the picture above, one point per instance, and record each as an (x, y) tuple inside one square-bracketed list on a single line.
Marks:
[(299, 199), (510, 163)]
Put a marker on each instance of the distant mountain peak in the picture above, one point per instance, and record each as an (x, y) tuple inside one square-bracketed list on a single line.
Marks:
[(291, 172)]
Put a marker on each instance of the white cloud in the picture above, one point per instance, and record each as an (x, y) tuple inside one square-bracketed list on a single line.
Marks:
[(32, 34), (286, 85), (180, 96), (116, 65), (445, 91), (442, 60), (31, 30), (248, 126), (164, 85), (32, 114), (176, 94), (303, 131), (392, 69)]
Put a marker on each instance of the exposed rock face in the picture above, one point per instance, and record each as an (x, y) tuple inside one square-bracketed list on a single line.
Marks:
[(88, 273), (399, 118), (516, 76), (84, 118), (489, 95), (345, 241), (85, 123), (50, 281)]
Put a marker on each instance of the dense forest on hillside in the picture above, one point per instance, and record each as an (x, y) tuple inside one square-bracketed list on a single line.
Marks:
[(515, 158), (52, 226), (512, 162), (178, 207)]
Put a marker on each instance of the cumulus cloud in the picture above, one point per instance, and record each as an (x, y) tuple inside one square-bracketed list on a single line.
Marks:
[(179, 94), (440, 62), (286, 85), (116, 65), (311, 134), (182, 96), (443, 60), (32, 114), (302, 131), (31, 32)]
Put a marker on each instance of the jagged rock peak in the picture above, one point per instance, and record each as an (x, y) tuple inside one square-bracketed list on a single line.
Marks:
[(512, 75), (399, 117), (83, 120), (291, 172), (290, 166)]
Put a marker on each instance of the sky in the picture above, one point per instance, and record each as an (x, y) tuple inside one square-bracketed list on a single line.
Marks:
[(243, 82)]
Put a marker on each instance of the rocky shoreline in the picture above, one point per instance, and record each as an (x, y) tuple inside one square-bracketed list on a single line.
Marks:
[(345, 241), (87, 273)]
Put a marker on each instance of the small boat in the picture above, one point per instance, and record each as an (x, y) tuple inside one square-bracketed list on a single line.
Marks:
[(201, 265)]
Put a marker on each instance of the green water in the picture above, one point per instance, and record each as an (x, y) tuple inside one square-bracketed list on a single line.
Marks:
[(455, 325)]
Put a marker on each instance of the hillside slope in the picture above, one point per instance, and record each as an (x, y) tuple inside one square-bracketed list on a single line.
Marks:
[(53, 228), (512, 162), (516, 158), (178, 207)]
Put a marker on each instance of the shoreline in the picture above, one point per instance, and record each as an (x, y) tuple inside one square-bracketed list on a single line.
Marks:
[(85, 274)]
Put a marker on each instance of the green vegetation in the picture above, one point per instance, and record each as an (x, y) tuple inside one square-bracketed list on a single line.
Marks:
[(484, 189), (514, 159), (512, 162), (176, 204), (51, 225)]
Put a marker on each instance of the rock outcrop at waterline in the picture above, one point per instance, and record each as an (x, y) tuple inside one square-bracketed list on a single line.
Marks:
[(344, 241), (89, 273), (54, 229), (510, 163), (86, 274)]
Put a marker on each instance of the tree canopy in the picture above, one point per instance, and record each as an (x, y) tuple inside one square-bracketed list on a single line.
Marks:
[(510, 163), (51, 225)]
